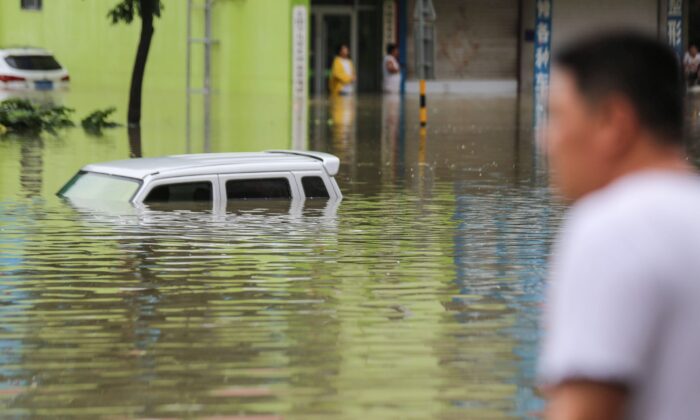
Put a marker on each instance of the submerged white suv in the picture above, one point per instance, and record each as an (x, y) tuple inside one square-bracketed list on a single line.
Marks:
[(218, 180), (31, 69)]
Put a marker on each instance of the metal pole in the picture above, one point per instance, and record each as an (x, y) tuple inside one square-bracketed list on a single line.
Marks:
[(188, 77), (403, 23), (519, 58), (421, 42), (421, 61), (354, 36), (320, 53), (207, 75)]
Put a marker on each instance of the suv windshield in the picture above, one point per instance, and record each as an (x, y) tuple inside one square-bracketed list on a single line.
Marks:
[(94, 186), (32, 62)]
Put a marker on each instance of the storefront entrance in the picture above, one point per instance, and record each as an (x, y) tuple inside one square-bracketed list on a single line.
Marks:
[(359, 27)]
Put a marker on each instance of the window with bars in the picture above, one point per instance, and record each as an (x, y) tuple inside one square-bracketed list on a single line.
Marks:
[(31, 4)]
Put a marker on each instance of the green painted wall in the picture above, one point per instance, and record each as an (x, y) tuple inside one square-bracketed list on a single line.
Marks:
[(98, 54), (251, 67), (253, 55)]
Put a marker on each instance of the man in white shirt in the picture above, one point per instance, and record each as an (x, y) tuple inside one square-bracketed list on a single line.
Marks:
[(391, 70), (691, 64), (622, 320)]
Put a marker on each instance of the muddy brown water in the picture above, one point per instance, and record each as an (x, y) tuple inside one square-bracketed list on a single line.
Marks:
[(417, 296)]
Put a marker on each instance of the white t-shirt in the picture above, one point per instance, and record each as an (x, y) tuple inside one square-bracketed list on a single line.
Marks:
[(624, 298), (392, 81), (691, 63), (347, 66)]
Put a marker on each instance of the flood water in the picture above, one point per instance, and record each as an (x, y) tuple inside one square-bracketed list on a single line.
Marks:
[(417, 296)]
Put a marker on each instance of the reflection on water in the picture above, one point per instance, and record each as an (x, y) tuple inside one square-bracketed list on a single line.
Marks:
[(416, 296)]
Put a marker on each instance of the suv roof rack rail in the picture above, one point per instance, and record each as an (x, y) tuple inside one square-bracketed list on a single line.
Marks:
[(330, 162)]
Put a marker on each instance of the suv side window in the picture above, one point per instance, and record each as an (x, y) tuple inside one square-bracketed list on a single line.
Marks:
[(314, 187), (200, 192), (258, 189)]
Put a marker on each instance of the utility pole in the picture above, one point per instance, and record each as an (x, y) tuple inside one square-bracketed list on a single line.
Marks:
[(206, 90), (424, 17), (207, 74)]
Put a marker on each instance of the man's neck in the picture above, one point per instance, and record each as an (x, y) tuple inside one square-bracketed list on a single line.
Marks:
[(652, 155)]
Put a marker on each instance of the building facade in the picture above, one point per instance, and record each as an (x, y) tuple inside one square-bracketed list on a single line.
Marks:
[(490, 45), (477, 41), (252, 51), (251, 63), (483, 46)]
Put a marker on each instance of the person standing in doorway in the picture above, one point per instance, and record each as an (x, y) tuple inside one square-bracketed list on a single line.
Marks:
[(621, 321), (391, 70), (691, 65), (342, 77)]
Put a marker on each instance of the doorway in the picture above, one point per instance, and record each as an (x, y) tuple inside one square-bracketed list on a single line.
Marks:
[(334, 25), (331, 26), (693, 22)]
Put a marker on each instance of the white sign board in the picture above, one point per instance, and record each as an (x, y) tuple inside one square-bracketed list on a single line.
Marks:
[(674, 26), (543, 43), (300, 51)]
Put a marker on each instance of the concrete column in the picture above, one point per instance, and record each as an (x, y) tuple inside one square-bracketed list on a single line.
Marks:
[(527, 46)]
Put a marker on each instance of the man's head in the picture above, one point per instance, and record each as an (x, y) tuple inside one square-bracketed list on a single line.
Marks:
[(343, 51), (612, 97), (392, 49), (693, 50)]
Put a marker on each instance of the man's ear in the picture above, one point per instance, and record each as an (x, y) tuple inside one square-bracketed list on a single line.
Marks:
[(618, 127)]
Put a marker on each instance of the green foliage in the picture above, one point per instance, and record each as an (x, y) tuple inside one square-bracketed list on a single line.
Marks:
[(25, 117), (21, 115), (126, 10), (98, 120)]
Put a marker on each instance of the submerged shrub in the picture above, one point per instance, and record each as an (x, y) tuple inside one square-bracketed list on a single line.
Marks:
[(21, 115), (26, 117), (98, 120)]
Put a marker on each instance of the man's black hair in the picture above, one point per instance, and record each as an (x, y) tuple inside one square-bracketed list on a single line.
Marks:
[(640, 68), (390, 48), (340, 47)]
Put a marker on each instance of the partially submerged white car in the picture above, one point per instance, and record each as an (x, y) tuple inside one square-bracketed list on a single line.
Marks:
[(31, 69), (215, 179)]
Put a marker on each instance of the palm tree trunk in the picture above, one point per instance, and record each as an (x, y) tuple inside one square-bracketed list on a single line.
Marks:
[(148, 8), (134, 141)]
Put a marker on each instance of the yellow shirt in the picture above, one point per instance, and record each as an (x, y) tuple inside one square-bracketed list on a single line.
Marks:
[(339, 76)]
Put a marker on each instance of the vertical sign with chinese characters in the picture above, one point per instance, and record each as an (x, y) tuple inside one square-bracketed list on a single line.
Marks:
[(674, 25), (543, 42), (389, 26), (300, 79)]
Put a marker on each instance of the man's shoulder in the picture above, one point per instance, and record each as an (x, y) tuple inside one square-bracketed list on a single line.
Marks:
[(611, 205), (636, 201), (645, 188)]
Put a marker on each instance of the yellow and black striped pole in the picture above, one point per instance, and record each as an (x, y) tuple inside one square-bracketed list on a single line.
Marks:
[(423, 105), (423, 134)]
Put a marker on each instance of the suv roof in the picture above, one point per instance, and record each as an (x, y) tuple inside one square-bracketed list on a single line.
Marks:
[(214, 163)]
